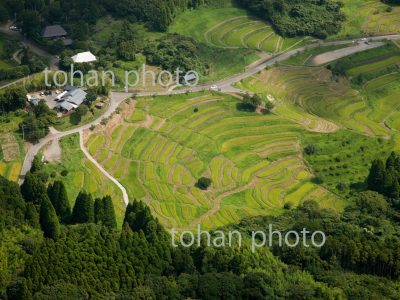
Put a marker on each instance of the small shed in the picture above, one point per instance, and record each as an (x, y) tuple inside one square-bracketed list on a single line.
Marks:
[(84, 57)]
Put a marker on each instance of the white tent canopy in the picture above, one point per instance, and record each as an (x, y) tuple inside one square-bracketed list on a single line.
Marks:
[(84, 57)]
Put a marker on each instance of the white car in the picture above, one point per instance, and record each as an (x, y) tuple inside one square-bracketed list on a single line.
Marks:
[(214, 88)]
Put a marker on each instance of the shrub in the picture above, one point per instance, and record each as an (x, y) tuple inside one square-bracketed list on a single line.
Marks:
[(341, 186), (317, 180), (310, 149), (288, 205), (64, 172), (204, 183)]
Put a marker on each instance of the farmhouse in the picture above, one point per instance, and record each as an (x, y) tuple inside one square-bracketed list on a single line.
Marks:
[(53, 31), (84, 57), (71, 98), (56, 32)]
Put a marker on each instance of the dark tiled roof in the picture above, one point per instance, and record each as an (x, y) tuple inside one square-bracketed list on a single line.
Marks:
[(53, 31)]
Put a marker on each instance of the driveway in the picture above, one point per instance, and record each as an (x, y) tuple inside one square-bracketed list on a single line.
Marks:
[(325, 58)]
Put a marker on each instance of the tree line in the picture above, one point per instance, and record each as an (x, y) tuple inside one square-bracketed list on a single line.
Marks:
[(299, 18)]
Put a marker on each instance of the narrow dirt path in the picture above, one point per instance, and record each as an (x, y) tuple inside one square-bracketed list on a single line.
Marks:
[(102, 170)]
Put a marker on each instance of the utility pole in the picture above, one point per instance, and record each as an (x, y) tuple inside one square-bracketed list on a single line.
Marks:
[(23, 131)]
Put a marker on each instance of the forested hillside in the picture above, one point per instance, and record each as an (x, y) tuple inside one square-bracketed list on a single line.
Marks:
[(304, 17), (80, 254), (158, 13)]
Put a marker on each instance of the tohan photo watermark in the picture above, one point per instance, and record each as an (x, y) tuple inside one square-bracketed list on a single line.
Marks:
[(221, 239), (131, 78)]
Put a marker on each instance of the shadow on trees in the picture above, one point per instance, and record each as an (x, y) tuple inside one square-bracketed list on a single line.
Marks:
[(245, 107)]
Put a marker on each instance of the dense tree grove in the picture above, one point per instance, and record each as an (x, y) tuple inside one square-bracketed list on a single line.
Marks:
[(83, 211), (59, 198), (158, 13), (384, 177), (175, 51), (304, 17), (104, 212), (12, 204), (12, 99), (48, 220), (362, 245)]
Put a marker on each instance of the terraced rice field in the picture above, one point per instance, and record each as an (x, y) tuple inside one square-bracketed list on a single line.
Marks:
[(84, 175), (374, 66), (312, 90), (248, 32), (380, 19), (231, 28), (255, 161), (383, 94), (370, 17)]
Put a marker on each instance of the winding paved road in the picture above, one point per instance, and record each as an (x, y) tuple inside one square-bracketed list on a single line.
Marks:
[(116, 99), (27, 43), (224, 85)]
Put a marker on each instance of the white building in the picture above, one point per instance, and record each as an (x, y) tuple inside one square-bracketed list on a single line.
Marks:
[(84, 57)]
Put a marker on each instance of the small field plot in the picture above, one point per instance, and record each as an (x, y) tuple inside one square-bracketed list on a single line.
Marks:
[(254, 161), (11, 147), (78, 173)]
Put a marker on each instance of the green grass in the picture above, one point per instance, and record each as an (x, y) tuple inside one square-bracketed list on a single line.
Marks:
[(84, 175), (138, 116), (344, 157), (225, 62)]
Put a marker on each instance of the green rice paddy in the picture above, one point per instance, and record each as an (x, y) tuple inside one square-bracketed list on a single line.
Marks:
[(255, 161), (232, 28)]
